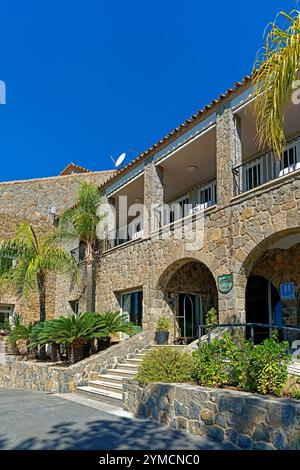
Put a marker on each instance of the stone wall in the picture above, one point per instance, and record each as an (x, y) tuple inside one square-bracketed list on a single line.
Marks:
[(241, 420), (30, 200), (16, 372)]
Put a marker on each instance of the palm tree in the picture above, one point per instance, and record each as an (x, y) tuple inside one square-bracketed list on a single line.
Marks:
[(74, 331), (80, 223), (27, 260), (275, 77)]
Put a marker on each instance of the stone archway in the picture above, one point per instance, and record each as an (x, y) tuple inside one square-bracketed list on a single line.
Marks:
[(189, 289), (276, 260)]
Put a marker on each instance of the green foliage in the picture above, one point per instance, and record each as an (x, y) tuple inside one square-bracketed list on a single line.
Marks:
[(263, 367), (117, 322), (68, 330), (277, 70), (167, 365), (26, 260), (21, 332), (258, 368), (163, 325), (214, 362), (9, 324), (211, 317), (81, 221)]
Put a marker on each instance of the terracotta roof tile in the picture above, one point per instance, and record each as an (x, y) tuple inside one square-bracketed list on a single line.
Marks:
[(73, 168)]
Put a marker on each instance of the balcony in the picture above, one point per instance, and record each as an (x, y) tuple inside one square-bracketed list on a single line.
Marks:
[(266, 167), (192, 202), (122, 235)]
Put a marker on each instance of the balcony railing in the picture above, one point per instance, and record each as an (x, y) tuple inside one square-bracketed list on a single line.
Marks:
[(192, 202), (121, 235), (266, 167)]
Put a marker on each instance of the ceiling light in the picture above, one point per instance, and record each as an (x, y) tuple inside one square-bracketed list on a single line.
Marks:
[(192, 168)]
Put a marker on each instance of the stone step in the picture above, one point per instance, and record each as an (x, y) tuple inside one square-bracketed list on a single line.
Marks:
[(134, 361), (110, 378), (126, 373), (105, 396), (129, 367), (294, 369), (137, 356), (102, 385)]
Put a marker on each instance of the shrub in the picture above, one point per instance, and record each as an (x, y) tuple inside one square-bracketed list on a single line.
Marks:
[(214, 362), (211, 317), (163, 325), (264, 366), (167, 365)]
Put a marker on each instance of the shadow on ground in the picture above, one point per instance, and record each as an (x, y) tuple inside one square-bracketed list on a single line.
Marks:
[(123, 434)]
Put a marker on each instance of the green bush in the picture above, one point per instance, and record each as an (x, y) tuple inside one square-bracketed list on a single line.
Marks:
[(263, 367), (163, 325), (211, 317), (167, 365), (214, 362)]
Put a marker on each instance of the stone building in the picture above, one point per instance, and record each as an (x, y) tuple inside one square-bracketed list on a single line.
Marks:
[(212, 221)]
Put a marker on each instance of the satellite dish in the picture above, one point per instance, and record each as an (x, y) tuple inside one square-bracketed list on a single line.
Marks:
[(119, 160)]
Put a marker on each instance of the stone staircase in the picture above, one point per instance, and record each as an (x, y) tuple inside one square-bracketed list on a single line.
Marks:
[(108, 387)]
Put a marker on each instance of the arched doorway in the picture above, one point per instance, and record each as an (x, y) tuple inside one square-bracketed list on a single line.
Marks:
[(273, 289), (190, 290), (263, 306)]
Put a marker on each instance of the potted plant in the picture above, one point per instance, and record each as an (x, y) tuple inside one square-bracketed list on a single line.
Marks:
[(162, 331)]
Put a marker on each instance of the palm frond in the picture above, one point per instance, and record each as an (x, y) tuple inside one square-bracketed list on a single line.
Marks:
[(276, 71)]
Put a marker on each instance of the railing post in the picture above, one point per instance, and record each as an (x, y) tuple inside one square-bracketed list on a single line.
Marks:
[(252, 333), (209, 336)]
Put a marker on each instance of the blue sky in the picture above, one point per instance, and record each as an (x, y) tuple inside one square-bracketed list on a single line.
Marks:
[(89, 79)]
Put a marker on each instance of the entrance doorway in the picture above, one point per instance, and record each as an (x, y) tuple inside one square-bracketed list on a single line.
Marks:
[(263, 305), (189, 315)]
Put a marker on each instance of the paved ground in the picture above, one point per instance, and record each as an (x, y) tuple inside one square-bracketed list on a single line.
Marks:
[(35, 420)]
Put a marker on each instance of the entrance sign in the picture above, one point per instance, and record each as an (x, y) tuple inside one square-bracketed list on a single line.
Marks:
[(287, 291), (225, 283)]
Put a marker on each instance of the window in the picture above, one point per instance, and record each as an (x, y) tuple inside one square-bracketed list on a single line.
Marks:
[(6, 311), (74, 304), (132, 305)]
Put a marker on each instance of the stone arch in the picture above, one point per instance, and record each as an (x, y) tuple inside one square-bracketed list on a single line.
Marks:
[(276, 259), (187, 279)]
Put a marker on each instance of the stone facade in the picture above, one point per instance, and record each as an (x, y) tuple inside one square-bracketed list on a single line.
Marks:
[(16, 372), (235, 236), (241, 420), (237, 232), (31, 201)]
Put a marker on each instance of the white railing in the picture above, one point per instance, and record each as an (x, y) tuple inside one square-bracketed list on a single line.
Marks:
[(196, 200), (125, 234), (267, 167)]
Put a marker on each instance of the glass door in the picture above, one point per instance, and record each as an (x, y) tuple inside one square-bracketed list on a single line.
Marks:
[(189, 315), (132, 306)]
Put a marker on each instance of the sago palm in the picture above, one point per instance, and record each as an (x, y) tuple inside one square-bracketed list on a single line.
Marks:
[(80, 223), (73, 331), (275, 79), (27, 260)]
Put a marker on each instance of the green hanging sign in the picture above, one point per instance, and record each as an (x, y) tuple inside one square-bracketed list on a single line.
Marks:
[(225, 283)]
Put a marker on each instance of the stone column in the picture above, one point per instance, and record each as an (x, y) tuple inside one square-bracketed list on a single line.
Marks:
[(229, 152), (153, 197)]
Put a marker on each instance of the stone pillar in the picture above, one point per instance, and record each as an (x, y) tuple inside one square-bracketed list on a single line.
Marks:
[(153, 197), (229, 152)]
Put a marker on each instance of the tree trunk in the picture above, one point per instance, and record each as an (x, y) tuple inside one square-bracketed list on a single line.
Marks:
[(90, 280), (41, 281)]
